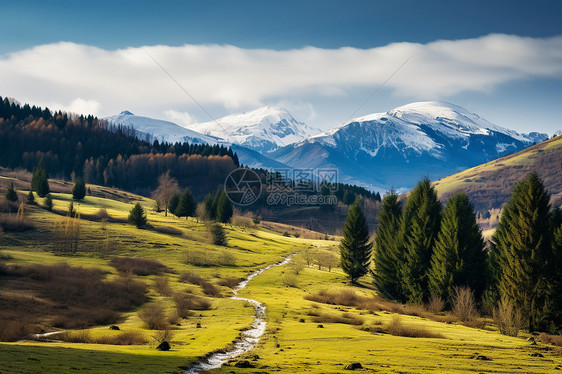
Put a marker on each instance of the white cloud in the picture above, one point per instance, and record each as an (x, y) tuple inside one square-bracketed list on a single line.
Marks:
[(234, 77), (183, 119)]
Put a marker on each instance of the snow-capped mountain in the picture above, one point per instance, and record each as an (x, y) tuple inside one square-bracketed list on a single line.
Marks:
[(159, 129), (171, 132), (264, 129), (396, 148)]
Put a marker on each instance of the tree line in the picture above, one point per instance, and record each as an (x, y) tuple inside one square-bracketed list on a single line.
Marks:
[(423, 250), (85, 146)]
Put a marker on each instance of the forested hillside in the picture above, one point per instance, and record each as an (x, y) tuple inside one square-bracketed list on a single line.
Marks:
[(103, 154)]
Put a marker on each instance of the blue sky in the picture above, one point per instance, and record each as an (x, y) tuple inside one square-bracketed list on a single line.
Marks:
[(517, 85)]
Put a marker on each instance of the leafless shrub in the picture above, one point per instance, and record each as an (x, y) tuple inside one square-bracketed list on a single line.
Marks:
[(124, 338), (197, 257), (138, 266), (345, 318), (297, 264), (167, 230), (208, 288), (12, 330), (436, 304), (551, 339), (464, 304), (397, 328), (162, 286), (185, 303), (163, 336), (507, 317), (290, 280), (229, 282), (15, 223), (154, 316)]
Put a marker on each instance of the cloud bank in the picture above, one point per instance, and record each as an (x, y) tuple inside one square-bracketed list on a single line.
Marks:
[(89, 79)]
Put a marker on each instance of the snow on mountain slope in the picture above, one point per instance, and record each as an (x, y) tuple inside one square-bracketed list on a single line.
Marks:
[(396, 148), (263, 129), (159, 129)]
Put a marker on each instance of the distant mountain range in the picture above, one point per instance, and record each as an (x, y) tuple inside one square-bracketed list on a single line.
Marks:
[(379, 151)]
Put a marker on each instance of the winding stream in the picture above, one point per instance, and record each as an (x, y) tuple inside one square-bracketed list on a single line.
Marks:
[(250, 337)]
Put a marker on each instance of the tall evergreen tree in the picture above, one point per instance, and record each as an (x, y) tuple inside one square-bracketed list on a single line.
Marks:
[(355, 248), (137, 216), (174, 202), (556, 283), (79, 190), (48, 202), (211, 204), (458, 257), (224, 209), (418, 230), (386, 258), (11, 194), (30, 198), (186, 206), (521, 251), (39, 181)]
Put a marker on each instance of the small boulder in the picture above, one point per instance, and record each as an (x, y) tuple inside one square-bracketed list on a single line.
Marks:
[(114, 327), (483, 358), (320, 326), (245, 364), (198, 326), (354, 366), (164, 346), (301, 320)]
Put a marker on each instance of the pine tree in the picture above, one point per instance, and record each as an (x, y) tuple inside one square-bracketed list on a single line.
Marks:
[(355, 248), (48, 202), (386, 258), (218, 234), (224, 209), (521, 250), (458, 257), (173, 204), (556, 284), (30, 198), (418, 230), (137, 216), (79, 190), (214, 204), (186, 206), (39, 181), (11, 194)]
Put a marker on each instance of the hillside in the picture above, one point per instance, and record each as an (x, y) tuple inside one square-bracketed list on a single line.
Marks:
[(489, 185), (309, 308)]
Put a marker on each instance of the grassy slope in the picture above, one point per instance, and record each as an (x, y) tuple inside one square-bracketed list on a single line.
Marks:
[(252, 248), (303, 347), (489, 185)]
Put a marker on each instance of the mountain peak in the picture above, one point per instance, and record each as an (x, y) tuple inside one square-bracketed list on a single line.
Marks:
[(126, 113), (262, 129)]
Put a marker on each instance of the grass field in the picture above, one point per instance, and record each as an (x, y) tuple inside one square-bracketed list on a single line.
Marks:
[(293, 342)]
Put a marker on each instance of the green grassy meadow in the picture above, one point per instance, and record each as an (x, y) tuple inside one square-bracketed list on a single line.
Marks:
[(293, 342)]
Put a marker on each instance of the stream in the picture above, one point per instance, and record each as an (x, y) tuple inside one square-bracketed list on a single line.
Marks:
[(250, 337)]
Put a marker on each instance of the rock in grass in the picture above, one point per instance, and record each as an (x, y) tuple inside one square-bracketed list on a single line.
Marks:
[(164, 346), (354, 366), (483, 358), (244, 364), (320, 326), (114, 328)]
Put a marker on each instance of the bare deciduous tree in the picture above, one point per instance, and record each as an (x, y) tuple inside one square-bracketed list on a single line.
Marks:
[(167, 187)]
